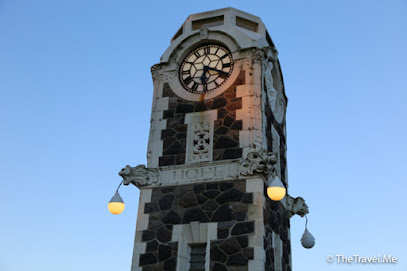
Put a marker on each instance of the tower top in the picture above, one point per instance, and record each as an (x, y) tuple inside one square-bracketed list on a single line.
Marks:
[(245, 29)]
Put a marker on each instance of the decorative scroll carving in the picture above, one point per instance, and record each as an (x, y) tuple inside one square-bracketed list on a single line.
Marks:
[(139, 175), (257, 55), (156, 71), (258, 162), (201, 142), (161, 75), (296, 206)]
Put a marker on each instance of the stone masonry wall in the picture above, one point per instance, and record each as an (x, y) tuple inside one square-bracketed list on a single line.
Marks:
[(225, 202), (226, 127)]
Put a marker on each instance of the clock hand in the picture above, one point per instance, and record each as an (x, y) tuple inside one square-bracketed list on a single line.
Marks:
[(216, 70), (203, 76)]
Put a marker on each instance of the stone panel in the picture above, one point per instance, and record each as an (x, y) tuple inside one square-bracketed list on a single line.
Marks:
[(226, 203)]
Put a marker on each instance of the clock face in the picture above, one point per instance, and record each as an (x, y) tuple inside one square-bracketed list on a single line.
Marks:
[(206, 68)]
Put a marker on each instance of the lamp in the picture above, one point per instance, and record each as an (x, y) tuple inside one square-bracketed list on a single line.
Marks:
[(307, 240), (276, 190), (116, 204)]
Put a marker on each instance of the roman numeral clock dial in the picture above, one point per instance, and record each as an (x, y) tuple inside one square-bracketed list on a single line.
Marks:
[(206, 68)]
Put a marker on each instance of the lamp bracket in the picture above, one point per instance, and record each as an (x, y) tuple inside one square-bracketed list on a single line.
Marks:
[(139, 175), (296, 206)]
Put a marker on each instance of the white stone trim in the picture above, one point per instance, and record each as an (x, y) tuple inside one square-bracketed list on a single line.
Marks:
[(278, 251), (255, 212), (142, 224), (193, 233)]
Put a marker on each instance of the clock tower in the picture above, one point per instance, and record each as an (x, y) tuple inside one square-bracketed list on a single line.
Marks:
[(217, 139)]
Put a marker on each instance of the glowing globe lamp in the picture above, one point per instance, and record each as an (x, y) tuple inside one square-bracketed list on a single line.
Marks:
[(116, 204), (276, 191)]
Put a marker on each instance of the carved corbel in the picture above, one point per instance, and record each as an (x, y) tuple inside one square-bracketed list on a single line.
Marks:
[(258, 162), (256, 55), (296, 206), (139, 175)]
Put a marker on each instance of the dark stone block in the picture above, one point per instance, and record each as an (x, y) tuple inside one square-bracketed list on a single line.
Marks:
[(167, 133), (199, 188), (249, 253), (167, 141), (164, 252), (166, 202), (243, 241), (171, 218), (217, 154), (240, 216), (201, 106), (151, 207), (225, 186), (219, 267), (210, 186), (174, 148), (181, 135), (181, 128), (168, 227), (237, 125), (217, 254), (152, 246), (179, 191), (154, 224), (167, 92), (148, 258), (194, 214), (201, 199), (148, 235), (228, 121), (218, 102), (165, 190), (170, 264), (226, 225), (167, 160), (232, 153), (231, 195), (237, 260), (163, 235), (243, 228), (234, 104), (224, 142), (223, 233), (224, 213), (248, 198), (211, 194), (168, 113), (184, 108), (230, 246), (222, 112), (180, 159), (210, 205), (188, 200), (221, 130)]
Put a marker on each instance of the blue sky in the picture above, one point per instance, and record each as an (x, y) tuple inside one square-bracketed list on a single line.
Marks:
[(75, 101)]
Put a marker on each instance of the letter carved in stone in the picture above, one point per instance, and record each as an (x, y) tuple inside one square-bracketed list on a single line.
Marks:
[(139, 175), (258, 162), (296, 206)]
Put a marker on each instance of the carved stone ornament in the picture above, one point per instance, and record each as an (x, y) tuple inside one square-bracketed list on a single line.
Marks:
[(257, 55), (258, 162), (296, 206), (139, 175)]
